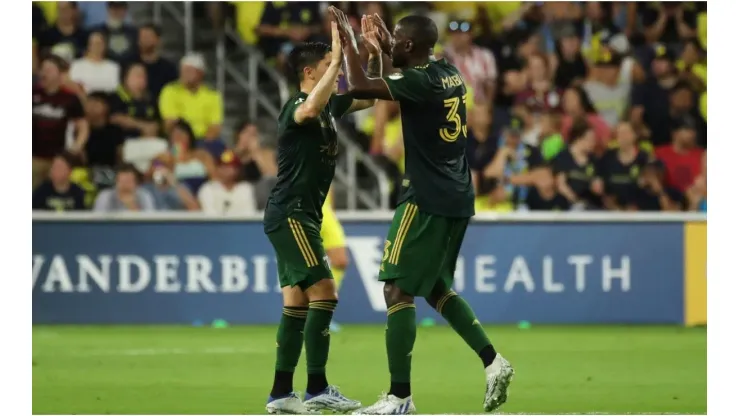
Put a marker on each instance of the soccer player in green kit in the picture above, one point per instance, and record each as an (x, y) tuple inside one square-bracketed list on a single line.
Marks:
[(307, 155), (427, 231)]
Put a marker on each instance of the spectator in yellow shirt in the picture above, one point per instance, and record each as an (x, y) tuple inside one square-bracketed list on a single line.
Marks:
[(199, 105)]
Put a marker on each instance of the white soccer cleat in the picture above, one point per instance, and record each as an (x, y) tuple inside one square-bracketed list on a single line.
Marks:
[(389, 404), (330, 399), (287, 405), (498, 378)]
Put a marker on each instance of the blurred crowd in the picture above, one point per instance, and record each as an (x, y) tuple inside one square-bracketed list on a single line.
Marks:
[(572, 106)]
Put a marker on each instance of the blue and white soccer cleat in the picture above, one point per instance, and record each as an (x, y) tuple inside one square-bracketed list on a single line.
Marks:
[(330, 399), (287, 405), (389, 404), (498, 377)]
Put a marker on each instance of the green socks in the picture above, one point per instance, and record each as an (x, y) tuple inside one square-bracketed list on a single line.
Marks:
[(290, 338), (462, 319), (400, 335), (316, 334)]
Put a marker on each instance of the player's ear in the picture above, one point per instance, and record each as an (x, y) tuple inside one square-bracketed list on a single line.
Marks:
[(307, 72), (409, 46)]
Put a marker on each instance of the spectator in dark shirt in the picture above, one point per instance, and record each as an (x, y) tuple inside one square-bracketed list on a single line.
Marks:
[(159, 71), (66, 34), (514, 163), (681, 158), (481, 144), (651, 99), (653, 194), (103, 147), (575, 168), (544, 195), (620, 168), (54, 107), (132, 108), (121, 35), (58, 193), (287, 21), (571, 67)]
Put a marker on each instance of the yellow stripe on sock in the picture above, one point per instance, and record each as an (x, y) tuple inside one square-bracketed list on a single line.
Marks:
[(326, 306), (400, 306), (408, 217), (295, 313), (302, 241), (445, 298)]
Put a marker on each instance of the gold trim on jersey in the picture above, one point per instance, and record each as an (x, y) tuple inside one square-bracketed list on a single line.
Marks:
[(408, 216), (302, 241)]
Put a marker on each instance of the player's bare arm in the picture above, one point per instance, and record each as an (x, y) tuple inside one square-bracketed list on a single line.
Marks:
[(371, 40), (385, 44), (360, 86), (320, 95)]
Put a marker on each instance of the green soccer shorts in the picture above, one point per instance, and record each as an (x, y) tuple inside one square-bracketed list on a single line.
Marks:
[(421, 250), (301, 259)]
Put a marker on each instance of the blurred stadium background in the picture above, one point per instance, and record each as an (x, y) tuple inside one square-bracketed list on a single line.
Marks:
[(153, 154)]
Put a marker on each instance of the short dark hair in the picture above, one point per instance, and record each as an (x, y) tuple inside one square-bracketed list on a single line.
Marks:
[(578, 129), (151, 26), (57, 60), (421, 30), (128, 168), (99, 95), (67, 158), (306, 54)]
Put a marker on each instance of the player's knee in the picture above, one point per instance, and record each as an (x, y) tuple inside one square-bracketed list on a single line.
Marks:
[(394, 295), (324, 289), (338, 258), (437, 294)]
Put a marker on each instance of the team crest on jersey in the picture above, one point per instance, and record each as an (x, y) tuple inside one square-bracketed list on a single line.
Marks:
[(395, 76)]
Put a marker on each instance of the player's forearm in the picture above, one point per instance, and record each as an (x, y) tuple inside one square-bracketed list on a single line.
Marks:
[(319, 96), (356, 77), (374, 66)]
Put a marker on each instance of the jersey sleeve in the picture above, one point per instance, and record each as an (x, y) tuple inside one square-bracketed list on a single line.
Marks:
[(340, 104), (411, 85), (287, 116)]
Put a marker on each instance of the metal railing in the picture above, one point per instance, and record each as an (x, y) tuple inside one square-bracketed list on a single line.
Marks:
[(257, 98), (184, 18)]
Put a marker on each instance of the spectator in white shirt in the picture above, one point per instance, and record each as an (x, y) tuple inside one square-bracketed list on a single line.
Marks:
[(226, 195), (93, 71), (477, 65)]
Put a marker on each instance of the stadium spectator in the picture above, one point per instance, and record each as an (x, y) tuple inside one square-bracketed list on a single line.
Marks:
[(597, 27), (191, 100), (103, 148), (159, 71), (225, 195), (191, 166), (38, 22), (481, 144), (476, 64), (65, 34), (670, 22), (575, 168), (696, 195), (168, 194), (287, 21), (54, 107), (608, 87), (540, 95), (544, 195), (127, 195), (93, 13), (93, 71), (576, 104), (692, 66), (551, 140), (620, 168), (653, 194), (570, 67), (257, 161), (514, 163), (132, 107), (120, 34), (681, 158), (58, 193)]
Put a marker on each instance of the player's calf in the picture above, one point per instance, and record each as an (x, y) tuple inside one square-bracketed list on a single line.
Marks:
[(322, 301), (400, 335)]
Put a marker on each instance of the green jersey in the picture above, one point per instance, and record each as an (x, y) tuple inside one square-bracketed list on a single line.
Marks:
[(432, 99), (307, 157)]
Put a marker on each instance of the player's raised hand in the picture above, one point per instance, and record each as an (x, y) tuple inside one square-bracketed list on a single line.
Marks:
[(345, 28), (385, 35), (370, 36), (336, 44)]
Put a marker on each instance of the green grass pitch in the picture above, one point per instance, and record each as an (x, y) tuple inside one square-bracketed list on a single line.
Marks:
[(184, 370)]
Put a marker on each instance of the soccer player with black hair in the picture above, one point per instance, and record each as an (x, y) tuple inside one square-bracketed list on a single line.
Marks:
[(436, 204), (307, 156)]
